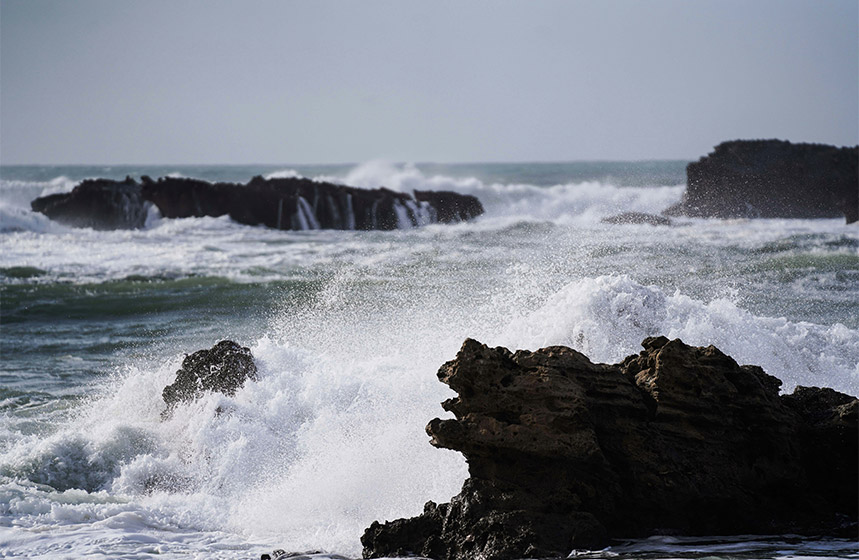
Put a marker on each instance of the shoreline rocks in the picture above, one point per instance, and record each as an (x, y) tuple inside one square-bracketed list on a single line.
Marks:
[(564, 454), (281, 203), (772, 179)]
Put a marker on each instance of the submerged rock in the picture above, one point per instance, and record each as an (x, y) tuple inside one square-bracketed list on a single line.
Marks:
[(224, 368), (564, 453), (772, 179), (97, 203), (283, 203)]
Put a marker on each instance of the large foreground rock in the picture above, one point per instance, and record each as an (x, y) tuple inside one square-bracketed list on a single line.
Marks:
[(281, 203), (564, 453), (772, 179)]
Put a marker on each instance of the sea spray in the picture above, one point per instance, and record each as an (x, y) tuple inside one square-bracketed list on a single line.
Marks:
[(607, 316), (586, 201), (348, 330)]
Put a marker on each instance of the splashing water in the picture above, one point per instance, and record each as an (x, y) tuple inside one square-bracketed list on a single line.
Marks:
[(348, 330)]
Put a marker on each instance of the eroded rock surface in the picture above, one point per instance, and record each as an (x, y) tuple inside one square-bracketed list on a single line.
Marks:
[(564, 453)]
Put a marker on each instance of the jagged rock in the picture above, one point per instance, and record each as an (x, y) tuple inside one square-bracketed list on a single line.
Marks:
[(772, 179), (97, 203), (637, 218), (283, 203), (224, 368), (564, 453)]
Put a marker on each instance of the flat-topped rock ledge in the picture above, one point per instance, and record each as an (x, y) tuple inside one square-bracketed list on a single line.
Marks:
[(565, 454), (281, 203), (772, 179)]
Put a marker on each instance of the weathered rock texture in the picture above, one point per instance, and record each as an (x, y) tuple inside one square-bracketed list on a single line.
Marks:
[(564, 453), (772, 179), (282, 203), (224, 368)]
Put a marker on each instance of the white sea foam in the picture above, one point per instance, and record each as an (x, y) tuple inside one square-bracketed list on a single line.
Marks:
[(331, 436), (329, 439), (15, 198), (21, 193), (586, 202), (283, 174), (16, 219), (606, 318)]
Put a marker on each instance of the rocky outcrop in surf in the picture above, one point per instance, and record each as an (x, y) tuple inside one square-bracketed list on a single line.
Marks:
[(281, 203), (224, 368), (772, 179), (98, 204), (564, 454)]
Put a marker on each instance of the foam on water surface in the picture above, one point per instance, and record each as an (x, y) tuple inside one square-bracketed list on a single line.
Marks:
[(348, 330)]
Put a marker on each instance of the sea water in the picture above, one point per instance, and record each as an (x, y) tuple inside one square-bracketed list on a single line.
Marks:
[(348, 329)]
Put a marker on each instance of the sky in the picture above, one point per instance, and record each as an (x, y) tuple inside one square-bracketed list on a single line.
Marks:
[(229, 82)]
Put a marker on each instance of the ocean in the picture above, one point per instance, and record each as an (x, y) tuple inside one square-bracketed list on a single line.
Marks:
[(348, 329)]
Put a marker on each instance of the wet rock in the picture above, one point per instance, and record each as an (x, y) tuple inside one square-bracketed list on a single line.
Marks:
[(564, 453), (97, 203), (224, 368), (772, 179), (637, 218)]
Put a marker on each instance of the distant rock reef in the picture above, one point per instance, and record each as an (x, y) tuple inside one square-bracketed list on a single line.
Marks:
[(281, 203), (564, 454), (772, 179)]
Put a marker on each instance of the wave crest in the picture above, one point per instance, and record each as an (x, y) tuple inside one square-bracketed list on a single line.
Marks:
[(607, 317)]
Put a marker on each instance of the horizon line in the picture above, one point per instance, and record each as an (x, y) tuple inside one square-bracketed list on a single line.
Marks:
[(353, 163)]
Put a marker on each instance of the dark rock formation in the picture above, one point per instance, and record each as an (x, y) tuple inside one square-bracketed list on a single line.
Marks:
[(637, 218), (451, 207), (285, 203), (224, 368), (179, 197), (772, 179), (98, 204), (564, 453)]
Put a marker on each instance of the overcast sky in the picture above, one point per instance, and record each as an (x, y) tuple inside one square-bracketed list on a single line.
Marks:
[(134, 81)]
